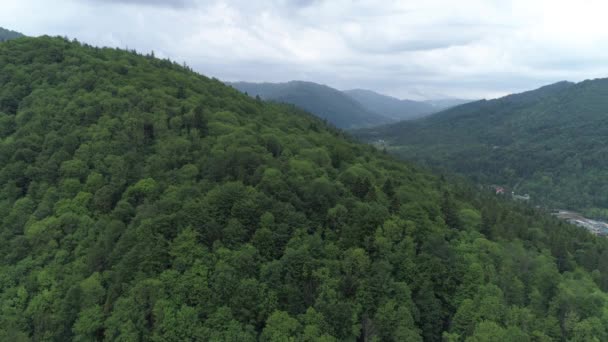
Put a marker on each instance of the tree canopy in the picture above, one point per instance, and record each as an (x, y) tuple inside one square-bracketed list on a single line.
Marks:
[(548, 143), (141, 201)]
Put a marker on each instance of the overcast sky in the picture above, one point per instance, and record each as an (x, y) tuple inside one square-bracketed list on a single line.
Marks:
[(410, 49)]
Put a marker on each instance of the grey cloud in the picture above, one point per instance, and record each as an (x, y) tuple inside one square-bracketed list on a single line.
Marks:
[(558, 62), (159, 3), (302, 3), (409, 45)]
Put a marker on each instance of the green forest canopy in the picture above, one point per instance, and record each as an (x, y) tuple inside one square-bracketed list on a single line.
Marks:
[(549, 143), (141, 201)]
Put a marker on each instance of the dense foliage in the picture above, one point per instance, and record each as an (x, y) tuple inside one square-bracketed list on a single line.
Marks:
[(143, 202), (327, 103), (8, 34), (549, 143)]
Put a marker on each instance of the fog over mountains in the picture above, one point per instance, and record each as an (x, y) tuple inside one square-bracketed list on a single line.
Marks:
[(398, 109)]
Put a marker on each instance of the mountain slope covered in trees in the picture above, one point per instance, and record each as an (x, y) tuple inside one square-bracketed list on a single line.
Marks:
[(325, 102), (141, 201), (549, 143), (8, 34)]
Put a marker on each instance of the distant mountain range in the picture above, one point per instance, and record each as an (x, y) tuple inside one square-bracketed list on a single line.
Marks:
[(397, 109), (8, 34), (327, 103), (549, 142), (345, 109)]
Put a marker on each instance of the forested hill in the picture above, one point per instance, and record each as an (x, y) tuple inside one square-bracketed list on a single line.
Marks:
[(141, 201), (549, 143), (8, 34), (327, 103)]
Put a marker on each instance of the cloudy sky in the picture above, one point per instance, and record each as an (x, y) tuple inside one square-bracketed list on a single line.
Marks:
[(410, 49)]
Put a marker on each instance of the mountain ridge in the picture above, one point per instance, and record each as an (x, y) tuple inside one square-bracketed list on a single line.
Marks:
[(326, 102), (532, 139), (348, 109)]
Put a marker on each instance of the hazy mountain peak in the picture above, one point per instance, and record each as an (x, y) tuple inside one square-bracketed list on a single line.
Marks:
[(399, 109), (352, 108), (6, 34)]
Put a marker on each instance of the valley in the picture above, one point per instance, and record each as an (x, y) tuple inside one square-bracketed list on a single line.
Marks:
[(532, 140), (349, 109)]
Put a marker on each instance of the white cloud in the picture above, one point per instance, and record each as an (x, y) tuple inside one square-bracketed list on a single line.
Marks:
[(467, 48)]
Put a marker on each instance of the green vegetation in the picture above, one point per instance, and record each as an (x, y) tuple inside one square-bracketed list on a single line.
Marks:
[(8, 34), (549, 143), (143, 202), (327, 103)]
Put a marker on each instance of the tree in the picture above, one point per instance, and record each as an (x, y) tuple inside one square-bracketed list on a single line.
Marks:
[(449, 211), (280, 327)]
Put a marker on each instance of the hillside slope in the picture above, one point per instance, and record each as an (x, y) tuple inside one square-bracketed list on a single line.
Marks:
[(143, 202), (547, 142), (325, 102)]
